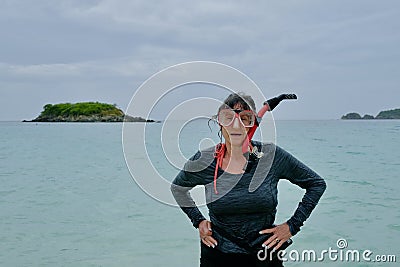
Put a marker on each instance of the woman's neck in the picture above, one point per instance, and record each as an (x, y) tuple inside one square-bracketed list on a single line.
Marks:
[(233, 152), (234, 161)]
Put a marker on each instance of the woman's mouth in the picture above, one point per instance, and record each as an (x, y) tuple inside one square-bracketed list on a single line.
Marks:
[(236, 134)]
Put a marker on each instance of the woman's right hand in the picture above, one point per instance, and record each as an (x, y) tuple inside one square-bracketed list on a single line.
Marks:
[(205, 232)]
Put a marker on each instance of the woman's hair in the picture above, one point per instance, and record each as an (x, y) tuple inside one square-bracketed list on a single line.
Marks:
[(241, 98)]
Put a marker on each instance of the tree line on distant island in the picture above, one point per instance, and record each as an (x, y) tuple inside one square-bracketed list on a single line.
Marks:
[(85, 112), (383, 115)]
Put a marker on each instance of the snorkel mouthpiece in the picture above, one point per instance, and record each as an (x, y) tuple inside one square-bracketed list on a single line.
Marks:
[(273, 102)]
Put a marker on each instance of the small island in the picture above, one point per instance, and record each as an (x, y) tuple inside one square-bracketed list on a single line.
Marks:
[(85, 112), (393, 114)]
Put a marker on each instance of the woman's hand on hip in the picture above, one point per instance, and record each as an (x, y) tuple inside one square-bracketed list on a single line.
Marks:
[(205, 232), (280, 234)]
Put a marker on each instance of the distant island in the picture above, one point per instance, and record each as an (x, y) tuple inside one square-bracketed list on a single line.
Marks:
[(85, 112), (383, 115)]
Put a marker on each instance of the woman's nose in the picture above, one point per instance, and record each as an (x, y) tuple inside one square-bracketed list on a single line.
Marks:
[(236, 123)]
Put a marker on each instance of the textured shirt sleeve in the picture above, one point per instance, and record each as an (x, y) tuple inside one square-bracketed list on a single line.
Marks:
[(298, 173), (180, 187)]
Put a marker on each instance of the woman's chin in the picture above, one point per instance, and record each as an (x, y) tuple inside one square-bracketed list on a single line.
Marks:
[(236, 141)]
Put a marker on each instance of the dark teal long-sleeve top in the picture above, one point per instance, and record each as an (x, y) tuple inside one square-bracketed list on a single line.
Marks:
[(246, 203)]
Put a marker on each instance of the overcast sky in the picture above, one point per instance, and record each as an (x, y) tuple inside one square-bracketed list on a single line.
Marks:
[(338, 56)]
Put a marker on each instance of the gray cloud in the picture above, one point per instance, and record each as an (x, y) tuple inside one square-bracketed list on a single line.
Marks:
[(338, 56)]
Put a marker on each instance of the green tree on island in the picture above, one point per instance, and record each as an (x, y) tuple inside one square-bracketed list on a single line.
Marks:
[(82, 109), (85, 112)]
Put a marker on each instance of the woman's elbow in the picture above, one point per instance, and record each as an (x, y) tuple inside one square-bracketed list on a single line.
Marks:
[(174, 189), (322, 186)]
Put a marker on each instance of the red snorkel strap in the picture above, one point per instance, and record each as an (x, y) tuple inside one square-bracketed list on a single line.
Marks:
[(219, 155)]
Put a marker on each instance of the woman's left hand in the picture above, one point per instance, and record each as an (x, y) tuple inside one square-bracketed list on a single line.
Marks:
[(280, 234)]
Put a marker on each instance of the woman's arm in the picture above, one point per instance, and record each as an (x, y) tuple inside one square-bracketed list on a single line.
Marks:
[(298, 173), (186, 179), (180, 187)]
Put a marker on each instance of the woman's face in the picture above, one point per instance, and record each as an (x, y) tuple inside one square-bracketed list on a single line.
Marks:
[(235, 133)]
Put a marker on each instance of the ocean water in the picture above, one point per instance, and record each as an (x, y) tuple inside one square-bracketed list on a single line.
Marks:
[(68, 199)]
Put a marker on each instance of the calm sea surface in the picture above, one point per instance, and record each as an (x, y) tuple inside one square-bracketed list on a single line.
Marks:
[(68, 199)]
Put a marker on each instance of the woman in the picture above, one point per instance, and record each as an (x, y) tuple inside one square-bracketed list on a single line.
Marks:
[(242, 220)]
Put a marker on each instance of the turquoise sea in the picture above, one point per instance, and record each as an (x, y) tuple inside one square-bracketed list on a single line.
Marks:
[(68, 199)]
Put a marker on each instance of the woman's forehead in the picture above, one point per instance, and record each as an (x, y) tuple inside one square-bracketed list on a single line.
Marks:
[(238, 106)]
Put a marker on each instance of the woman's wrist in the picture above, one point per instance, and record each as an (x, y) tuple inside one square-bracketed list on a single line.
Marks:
[(197, 222), (291, 228)]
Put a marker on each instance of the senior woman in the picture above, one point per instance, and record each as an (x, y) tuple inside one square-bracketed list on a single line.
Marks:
[(242, 220)]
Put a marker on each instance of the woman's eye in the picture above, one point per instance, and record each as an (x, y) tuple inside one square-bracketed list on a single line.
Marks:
[(245, 118)]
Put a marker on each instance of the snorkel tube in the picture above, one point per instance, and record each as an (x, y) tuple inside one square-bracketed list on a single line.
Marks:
[(268, 105)]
